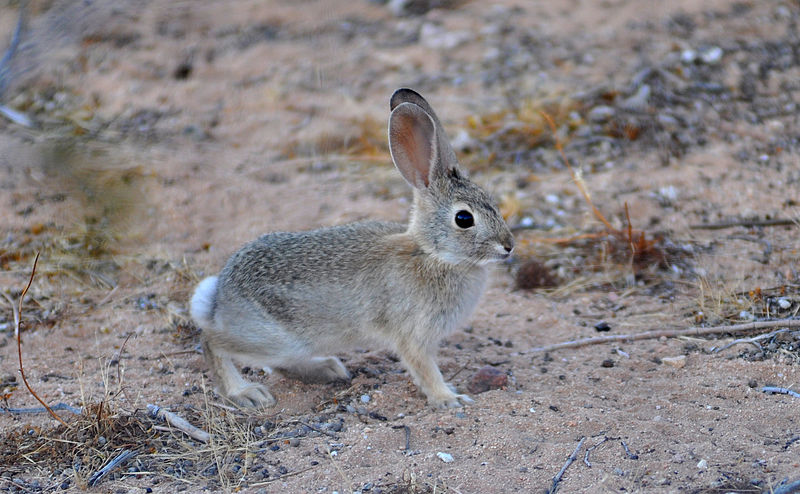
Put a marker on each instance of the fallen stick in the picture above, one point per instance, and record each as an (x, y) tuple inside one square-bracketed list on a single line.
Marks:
[(59, 406), (754, 340), (121, 458), (748, 223), (782, 391), (408, 435), (790, 488), (317, 429), (571, 459), (179, 423), (591, 448), (17, 311), (667, 333)]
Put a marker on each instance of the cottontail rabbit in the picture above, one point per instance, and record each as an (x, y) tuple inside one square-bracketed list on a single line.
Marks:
[(287, 299)]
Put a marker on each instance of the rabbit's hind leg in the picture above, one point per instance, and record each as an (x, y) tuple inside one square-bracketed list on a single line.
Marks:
[(316, 370), (231, 383)]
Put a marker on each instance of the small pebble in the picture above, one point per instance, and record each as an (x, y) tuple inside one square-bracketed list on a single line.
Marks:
[(607, 363), (601, 114), (712, 55), (784, 303), (365, 398), (487, 378), (602, 326), (702, 464), (445, 457), (678, 362)]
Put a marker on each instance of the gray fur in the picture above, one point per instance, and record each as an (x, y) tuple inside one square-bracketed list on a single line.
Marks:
[(286, 300)]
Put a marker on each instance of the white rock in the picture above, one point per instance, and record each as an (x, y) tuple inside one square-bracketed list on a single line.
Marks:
[(601, 114), (746, 316), (712, 55), (702, 464), (668, 192), (783, 303), (688, 56), (445, 457)]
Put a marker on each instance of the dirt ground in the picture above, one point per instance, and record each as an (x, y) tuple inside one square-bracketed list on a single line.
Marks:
[(165, 134)]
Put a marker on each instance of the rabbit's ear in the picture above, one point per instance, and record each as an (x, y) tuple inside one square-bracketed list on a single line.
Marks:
[(447, 161), (406, 95), (412, 143)]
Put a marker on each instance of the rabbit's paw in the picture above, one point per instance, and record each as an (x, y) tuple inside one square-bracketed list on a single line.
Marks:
[(252, 396), (332, 369), (451, 400), (318, 370)]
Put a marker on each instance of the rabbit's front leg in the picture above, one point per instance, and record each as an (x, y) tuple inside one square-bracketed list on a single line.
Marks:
[(421, 363)]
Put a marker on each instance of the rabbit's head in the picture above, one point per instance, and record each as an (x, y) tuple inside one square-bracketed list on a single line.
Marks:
[(453, 219)]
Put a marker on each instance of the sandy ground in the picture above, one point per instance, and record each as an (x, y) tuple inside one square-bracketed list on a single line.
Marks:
[(169, 133)]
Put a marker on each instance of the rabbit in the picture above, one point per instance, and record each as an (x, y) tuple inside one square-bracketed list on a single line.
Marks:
[(287, 301)]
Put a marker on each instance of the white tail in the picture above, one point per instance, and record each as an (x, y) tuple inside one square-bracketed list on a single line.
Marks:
[(202, 305)]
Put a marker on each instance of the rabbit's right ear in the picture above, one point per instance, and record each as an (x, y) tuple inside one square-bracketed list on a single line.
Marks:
[(412, 143)]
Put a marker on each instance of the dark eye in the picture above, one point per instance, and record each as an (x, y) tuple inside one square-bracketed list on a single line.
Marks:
[(464, 219)]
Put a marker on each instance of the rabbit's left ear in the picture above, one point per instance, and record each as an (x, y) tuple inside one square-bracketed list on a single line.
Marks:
[(446, 162), (413, 143)]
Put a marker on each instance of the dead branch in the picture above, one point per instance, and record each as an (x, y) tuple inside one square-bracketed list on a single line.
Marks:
[(125, 455), (59, 406), (667, 333), (408, 435), (12, 49), (753, 341), (571, 459), (746, 223), (179, 423), (591, 448), (317, 429), (17, 316), (632, 456), (781, 391), (790, 488)]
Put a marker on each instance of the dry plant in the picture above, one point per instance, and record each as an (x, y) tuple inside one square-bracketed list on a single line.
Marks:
[(618, 254)]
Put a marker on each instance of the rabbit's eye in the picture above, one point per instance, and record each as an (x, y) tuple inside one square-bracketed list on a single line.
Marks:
[(464, 219)]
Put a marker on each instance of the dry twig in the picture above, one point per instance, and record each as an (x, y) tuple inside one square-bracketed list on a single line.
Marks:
[(667, 333), (747, 223), (781, 391), (790, 488), (408, 435), (17, 316), (121, 458), (59, 406), (572, 458), (754, 340), (179, 423)]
